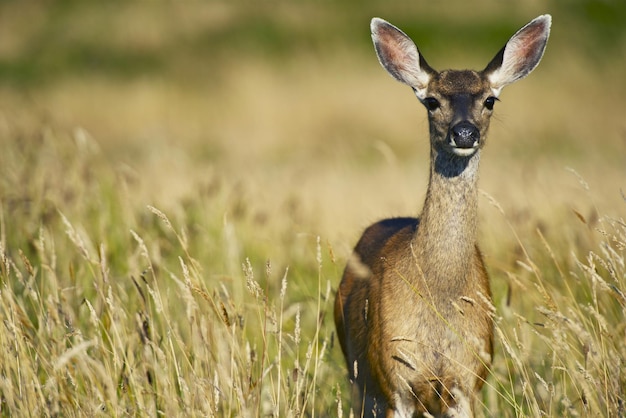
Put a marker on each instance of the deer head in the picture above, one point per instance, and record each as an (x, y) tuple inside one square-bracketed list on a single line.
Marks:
[(459, 102)]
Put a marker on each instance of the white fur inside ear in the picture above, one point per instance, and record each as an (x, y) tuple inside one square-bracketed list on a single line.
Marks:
[(511, 64), (521, 54), (399, 56)]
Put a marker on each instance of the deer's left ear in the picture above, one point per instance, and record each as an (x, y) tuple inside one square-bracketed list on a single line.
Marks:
[(520, 55)]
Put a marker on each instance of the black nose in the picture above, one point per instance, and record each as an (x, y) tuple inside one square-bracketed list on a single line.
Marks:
[(465, 135)]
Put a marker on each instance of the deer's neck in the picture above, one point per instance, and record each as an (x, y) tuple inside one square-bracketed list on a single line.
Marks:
[(445, 240)]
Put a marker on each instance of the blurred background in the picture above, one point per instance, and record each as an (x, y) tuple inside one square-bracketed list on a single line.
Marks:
[(161, 145), (284, 103)]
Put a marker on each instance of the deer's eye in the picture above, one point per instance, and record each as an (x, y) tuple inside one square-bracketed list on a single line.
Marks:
[(489, 102), (431, 103)]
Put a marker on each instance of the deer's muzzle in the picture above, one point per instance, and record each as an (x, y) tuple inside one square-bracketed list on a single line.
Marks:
[(464, 138)]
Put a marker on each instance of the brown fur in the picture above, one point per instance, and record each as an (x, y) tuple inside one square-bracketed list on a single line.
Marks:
[(413, 310)]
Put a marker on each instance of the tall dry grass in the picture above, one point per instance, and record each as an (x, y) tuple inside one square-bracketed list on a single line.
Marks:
[(109, 310), (112, 307), (559, 326)]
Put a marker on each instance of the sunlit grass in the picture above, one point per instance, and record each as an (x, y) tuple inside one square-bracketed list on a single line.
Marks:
[(112, 307), (131, 322)]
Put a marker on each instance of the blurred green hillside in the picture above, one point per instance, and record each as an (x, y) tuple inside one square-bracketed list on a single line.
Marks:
[(43, 42)]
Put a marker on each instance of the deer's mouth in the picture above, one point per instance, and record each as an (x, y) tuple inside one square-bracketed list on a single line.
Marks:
[(464, 151)]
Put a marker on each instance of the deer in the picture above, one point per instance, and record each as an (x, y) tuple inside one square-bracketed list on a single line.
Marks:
[(413, 310)]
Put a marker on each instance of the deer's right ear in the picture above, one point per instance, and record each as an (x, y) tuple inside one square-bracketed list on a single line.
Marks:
[(400, 57)]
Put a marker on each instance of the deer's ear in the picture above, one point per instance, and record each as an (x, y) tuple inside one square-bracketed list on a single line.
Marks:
[(520, 55), (400, 57)]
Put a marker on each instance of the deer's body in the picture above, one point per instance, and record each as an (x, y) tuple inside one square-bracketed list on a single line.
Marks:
[(413, 310)]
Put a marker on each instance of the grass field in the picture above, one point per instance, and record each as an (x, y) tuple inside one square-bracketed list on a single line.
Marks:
[(182, 184)]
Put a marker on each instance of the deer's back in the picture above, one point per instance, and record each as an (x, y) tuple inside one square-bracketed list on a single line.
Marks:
[(355, 284)]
